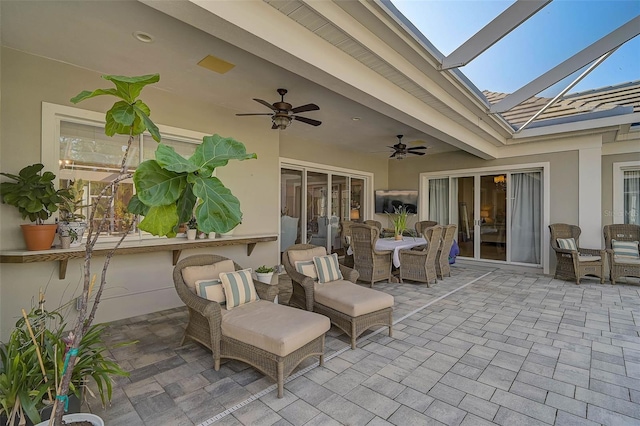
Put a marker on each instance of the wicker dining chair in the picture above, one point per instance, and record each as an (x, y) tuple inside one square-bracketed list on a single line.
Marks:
[(375, 223), (420, 265), (372, 265), (575, 264), (442, 262), (621, 266), (423, 224)]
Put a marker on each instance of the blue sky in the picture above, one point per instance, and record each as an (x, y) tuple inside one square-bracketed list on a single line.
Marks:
[(555, 33)]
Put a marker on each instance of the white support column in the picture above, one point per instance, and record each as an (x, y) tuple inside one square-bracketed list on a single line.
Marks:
[(590, 197)]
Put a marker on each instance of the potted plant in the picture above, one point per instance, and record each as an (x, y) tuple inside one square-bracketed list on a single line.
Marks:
[(36, 198), (265, 273), (399, 218), (170, 189), (192, 228), (71, 217), (32, 362), (67, 237)]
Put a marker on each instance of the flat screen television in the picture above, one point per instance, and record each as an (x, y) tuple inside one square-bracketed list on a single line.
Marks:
[(387, 199)]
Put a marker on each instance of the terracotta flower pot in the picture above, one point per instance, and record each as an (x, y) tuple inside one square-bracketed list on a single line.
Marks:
[(39, 237)]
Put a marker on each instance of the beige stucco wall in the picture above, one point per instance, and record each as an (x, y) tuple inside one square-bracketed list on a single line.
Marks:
[(136, 283), (333, 155), (313, 152)]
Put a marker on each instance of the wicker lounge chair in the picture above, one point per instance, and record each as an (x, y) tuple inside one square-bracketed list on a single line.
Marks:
[(420, 265), (575, 264), (442, 262), (350, 307), (621, 266), (371, 264), (272, 338)]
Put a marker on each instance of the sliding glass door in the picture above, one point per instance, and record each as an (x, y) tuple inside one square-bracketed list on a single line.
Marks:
[(314, 202), (498, 215)]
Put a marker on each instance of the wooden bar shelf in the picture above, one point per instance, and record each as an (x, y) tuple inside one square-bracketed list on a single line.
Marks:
[(175, 245)]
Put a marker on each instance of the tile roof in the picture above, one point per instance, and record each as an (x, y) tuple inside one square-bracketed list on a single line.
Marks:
[(611, 100)]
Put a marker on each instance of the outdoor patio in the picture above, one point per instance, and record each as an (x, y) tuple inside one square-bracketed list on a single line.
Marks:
[(486, 346)]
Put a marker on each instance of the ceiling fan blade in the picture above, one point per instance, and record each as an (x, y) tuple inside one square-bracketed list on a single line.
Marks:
[(393, 155), (274, 126), (256, 113), (418, 147), (305, 108), (307, 120), (416, 153), (265, 103)]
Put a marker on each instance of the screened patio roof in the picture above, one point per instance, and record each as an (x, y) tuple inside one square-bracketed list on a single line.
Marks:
[(536, 60)]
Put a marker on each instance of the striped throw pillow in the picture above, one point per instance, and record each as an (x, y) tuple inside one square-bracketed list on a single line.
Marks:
[(625, 249), (328, 268), (211, 290), (307, 267), (567, 244), (238, 288)]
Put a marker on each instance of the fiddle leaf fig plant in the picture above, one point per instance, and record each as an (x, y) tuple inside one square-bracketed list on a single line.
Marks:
[(130, 116), (171, 186), (170, 190)]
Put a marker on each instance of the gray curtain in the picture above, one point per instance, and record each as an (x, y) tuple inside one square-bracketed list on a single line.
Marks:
[(439, 200), (632, 197), (526, 217)]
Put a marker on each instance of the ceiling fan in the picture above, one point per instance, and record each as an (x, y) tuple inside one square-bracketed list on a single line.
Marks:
[(283, 112), (401, 150)]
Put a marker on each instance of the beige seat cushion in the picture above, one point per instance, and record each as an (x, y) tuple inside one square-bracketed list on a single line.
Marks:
[(274, 328), (191, 274), (588, 258), (627, 260), (351, 299), (308, 254)]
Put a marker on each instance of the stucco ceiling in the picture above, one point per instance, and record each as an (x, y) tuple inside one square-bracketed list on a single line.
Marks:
[(94, 34)]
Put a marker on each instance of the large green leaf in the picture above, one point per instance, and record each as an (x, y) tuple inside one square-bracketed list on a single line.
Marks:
[(129, 88), (160, 220), (156, 186), (142, 111), (122, 113), (85, 94), (219, 209), (216, 151), (185, 205), (136, 206), (112, 127), (169, 159)]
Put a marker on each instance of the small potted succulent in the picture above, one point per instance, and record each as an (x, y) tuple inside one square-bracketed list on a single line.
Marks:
[(71, 217), (34, 195), (192, 228), (265, 273)]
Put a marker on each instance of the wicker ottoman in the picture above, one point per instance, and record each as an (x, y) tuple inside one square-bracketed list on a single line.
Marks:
[(353, 308), (272, 338)]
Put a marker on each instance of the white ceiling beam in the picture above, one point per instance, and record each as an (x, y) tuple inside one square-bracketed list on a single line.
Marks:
[(566, 89), (493, 32), (607, 43)]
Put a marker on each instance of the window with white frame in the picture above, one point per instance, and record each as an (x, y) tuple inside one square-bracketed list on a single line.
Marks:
[(626, 193), (83, 151)]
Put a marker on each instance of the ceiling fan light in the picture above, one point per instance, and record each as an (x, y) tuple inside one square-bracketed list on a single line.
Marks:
[(281, 121)]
